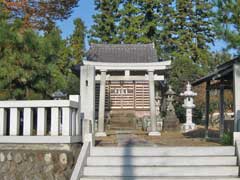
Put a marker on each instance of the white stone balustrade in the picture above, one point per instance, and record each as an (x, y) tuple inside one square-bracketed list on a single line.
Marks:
[(40, 121)]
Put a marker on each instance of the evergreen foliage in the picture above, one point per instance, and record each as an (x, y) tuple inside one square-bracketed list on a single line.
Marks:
[(77, 41), (38, 14), (33, 65), (139, 21), (105, 22), (228, 23), (181, 30)]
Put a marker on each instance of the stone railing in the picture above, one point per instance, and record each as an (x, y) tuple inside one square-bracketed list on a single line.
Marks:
[(40, 121)]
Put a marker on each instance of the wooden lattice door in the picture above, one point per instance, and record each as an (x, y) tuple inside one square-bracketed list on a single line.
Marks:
[(128, 95)]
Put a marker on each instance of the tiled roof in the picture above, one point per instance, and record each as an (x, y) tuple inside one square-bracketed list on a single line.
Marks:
[(122, 53)]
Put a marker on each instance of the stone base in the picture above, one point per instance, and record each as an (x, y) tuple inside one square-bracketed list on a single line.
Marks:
[(171, 122), (188, 127), (171, 126), (38, 161), (100, 134), (154, 133), (236, 137)]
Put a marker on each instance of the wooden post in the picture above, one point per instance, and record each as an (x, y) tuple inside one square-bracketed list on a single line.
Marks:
[(221, 109), (207, 108)]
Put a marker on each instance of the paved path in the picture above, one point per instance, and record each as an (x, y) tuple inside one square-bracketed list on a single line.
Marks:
[(127, 139)]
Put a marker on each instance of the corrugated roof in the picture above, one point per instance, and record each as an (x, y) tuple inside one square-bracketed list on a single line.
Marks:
[(122, 53)]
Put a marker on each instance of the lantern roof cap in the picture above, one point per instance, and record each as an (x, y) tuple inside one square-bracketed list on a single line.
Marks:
[(170, 91)]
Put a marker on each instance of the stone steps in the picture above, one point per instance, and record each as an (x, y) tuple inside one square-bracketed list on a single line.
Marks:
[(153, 171), (142, 163), (163, 151), (157, 178), (162, 161)]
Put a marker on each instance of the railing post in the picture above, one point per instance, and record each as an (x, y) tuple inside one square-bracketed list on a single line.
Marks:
[(41, 122), (74, 119), (27, 122), (55, 121), (78, 123), (3, 124), (14, 122), (66, 121)]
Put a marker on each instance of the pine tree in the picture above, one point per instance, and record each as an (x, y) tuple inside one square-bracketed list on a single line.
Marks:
[(130, 22), (193, 28), (31, 66), (38, 14), (192, 33), (105, 26), (165, 30), (77, 46), (228, 23), (77, 43), (139, 21)]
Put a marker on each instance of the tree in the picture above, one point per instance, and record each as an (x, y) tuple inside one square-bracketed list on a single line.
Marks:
[(228, 22), (181, 30), (165, 35), (191, 35), (31, 66), (77, 46), (193, 29), (77, 41), (40, 14), (105, 28), (139, 21), (130, 22)]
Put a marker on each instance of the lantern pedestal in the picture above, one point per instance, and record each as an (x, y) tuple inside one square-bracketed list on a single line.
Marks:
[(188, 127), (156, 133)]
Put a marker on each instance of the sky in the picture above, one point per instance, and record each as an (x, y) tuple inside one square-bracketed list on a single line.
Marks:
[(85, 11)]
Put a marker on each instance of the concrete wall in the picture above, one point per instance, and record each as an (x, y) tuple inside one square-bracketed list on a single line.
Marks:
[(37, 162)]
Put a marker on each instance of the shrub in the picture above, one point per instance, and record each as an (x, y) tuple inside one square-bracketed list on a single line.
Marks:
[(227, 138)]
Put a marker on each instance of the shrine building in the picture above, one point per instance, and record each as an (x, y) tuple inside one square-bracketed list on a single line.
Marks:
[(128, 77)]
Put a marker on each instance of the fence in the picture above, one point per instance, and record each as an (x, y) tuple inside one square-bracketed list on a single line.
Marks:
[(40, 121)]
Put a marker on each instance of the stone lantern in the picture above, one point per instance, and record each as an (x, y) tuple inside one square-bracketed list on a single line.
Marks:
[(171, 121), (188, 105), (58, 95), (170, 98)]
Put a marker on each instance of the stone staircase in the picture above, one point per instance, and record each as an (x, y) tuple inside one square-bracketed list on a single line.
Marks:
[(168, 163), (122, 121)]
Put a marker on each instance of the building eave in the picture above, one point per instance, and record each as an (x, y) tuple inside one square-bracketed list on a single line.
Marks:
[(222, 72)]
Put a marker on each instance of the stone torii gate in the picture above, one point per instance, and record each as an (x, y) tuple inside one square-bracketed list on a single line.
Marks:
[(151, 76), (128, 63)]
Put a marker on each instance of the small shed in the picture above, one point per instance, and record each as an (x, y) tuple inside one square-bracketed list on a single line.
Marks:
[(225, 76)]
